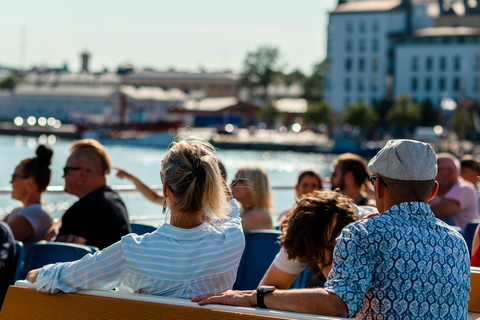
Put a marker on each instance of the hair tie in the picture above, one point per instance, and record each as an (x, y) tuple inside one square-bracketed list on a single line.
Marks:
[(195, 169)]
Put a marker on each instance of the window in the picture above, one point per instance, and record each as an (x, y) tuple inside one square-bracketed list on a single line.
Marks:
[(456, 84), (349, 45), (361, 26), (457, 63), (429, 63), (347, 84), (475, 84), (441, 84), (428, 84), (375, 26), (361, 64), (374, 64), (361, 85), (348, 64), (349, 27), (414, 63), (414, 84), (326, 83), (443, 63), (374, 84), (477, 62), (361, 45), (375, 45)]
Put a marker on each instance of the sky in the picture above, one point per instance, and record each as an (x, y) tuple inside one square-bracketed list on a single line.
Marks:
[(187, 35)]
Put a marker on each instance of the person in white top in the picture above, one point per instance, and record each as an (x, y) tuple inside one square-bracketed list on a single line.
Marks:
[(30, 179), (197, 252)]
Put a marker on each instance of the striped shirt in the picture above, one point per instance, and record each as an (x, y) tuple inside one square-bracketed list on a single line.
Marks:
[(170, 261)]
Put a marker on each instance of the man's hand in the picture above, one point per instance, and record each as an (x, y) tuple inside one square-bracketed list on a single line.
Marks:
[(229, 297), (33, 274)]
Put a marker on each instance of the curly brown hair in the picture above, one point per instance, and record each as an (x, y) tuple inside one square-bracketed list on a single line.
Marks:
[(307, 232)]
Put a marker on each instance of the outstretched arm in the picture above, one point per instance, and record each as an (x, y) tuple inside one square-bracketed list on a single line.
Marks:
[(314, 301), (144, 189)]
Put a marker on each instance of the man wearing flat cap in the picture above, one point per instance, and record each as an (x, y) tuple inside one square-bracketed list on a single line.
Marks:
[(402, 264)]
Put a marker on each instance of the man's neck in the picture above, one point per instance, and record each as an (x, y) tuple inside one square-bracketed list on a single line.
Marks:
[(354, 193), (89, 189)]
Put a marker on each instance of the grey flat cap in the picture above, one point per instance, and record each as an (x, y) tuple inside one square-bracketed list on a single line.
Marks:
[(405, 160)]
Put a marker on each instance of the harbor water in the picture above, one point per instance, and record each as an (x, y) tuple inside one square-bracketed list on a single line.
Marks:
[(282, 168)]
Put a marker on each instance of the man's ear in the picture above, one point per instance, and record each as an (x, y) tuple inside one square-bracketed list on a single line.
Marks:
[(348, 176), (434, 191), (379, 190)]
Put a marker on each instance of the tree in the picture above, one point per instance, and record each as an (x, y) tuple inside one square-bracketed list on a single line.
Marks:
[(360, 115), (429, 113), (260, 68), (404, 113), (314, 84), (8, 83), (295, 76), (318, 112), (270, 113)]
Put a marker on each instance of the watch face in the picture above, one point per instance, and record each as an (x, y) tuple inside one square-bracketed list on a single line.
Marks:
[(266, 288)]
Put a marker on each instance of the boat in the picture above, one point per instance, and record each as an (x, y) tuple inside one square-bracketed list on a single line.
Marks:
[(131, 137)]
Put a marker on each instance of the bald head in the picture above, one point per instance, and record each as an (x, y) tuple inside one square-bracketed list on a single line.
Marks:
[(92, 155)]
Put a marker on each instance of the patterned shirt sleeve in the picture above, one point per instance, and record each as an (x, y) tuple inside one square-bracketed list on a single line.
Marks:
[(353, 267)]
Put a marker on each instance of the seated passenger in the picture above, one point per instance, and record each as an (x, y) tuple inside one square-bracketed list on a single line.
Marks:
[(309, 180), (250, 187), (198, 252), (309, 236), (29, 180)]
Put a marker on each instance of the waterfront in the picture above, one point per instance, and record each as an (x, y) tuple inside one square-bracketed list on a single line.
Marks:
[(282, 168)]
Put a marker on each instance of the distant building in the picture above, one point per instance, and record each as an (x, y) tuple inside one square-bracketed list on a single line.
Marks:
[(68, 97), (291, 109), (211, 112), (213, 84), (386, 48)]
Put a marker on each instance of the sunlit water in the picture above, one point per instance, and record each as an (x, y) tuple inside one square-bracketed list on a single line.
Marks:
[(282, 168)]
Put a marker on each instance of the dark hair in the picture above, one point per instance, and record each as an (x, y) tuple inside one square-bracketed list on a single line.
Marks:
[(355, 164), (191, 172), (312, 173), (39, 167), (306, 232), (403, 190), (469, 161)]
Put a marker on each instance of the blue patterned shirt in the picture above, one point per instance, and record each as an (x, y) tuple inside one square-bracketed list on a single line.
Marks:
[(401, 264)]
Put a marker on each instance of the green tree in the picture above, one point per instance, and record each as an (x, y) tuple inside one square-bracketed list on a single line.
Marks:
[(318, 112), (360, 114), (260, 68), (314, 83), (270, 113), (9, 83), (404, 112), (429, 113), (296, 76)]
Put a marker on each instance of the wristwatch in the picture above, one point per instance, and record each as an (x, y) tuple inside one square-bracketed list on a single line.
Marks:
[(261, 292)]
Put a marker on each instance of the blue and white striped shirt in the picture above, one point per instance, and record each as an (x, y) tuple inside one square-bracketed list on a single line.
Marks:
[(170, 261)]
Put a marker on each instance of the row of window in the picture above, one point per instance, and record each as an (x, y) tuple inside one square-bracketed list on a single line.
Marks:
[(443, 63), (362, 45), (361, 65), (361, 84), (442, 84), (362, 26)]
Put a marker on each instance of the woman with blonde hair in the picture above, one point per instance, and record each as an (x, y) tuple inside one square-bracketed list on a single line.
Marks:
[(251, 188), (197, 252)]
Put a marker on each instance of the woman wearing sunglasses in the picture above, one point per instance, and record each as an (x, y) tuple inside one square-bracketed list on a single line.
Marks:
[(30, 179)]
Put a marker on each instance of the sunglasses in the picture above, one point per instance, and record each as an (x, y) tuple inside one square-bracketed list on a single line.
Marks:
[(235, 180), (14, 176), (67, 169), (374, 178)]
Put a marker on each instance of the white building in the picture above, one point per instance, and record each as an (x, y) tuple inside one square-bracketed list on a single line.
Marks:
[(385, 48), (69, 97), (435, 63)]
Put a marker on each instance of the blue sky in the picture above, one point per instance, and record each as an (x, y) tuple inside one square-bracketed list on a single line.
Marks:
[(185, 34)]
